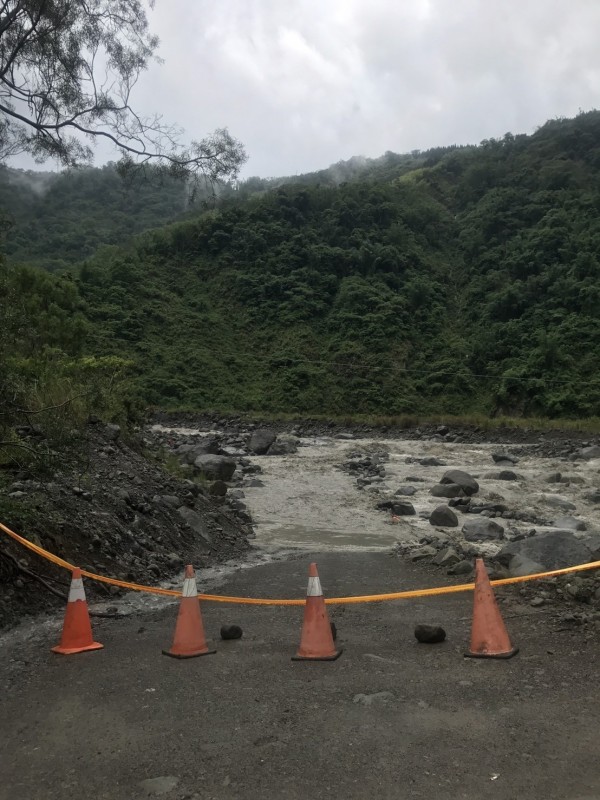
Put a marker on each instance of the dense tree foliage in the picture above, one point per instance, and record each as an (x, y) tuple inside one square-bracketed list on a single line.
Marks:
[(459, 280), (68, 69), (57, 220)]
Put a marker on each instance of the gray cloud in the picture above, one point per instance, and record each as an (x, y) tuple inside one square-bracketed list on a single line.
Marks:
[(307, 83)]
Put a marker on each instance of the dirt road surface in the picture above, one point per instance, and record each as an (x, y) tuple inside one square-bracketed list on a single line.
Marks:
[(126, 722)]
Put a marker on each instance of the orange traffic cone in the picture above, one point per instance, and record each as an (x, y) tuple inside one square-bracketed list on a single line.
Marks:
[(316, 643), (189, 640), (77, 629), (489, 638)]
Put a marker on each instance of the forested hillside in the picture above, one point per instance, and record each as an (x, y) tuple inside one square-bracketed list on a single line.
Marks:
[(453, 281), (58, 219)]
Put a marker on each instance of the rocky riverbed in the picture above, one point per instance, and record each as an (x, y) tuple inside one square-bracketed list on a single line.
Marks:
[(525, 506)]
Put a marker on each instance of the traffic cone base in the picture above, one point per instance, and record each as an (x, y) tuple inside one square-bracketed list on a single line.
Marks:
[(206, 652), (489, 637), (316, 641), (509, 654), (69, 651), (337, 654), (77, 630), (189, 640)]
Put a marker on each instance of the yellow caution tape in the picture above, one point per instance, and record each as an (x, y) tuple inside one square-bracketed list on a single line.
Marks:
[(257, 601)]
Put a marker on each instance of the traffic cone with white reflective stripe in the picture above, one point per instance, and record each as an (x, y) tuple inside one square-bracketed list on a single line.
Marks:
[(489, 637), (77, 628), (189, 640), (316, 642)]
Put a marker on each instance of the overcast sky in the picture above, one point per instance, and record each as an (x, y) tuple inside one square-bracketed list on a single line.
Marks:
[(305, 83)]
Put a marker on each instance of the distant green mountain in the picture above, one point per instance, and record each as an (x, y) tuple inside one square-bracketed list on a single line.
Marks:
[(458, 280), (59, 219)]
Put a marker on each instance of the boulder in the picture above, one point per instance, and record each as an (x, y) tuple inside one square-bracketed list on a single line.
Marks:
[(447, 490), (482, 529), (196, 523), (447, 557), (113, 432), (218, 489), (556, 501), (504, 458), (261, 440), (552, 550), (593, 496), (188, 453), (570, 524), (216, 468), (431, 461), (461, 568), (407, 491), (283, 445), (553, 477), (504, 475), (403, 509), (586, 453), (444, 517), (427, 551), (466, 482)]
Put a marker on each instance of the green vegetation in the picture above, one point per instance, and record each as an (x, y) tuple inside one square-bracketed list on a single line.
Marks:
[(57, 220), (462, 281)]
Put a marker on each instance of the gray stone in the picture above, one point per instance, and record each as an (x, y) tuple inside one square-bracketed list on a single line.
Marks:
[(16, 495), (482, 530), (466, 482), (556, 501), (553, 477), (196, 523), (403, 509), (504, 475), (593, 496), (407, 491), (462, 568), (504, 458), (447, 557), (113, 431), (447, 490), (261, 440), (430, 634), (369, 699), (188, 453), (423, 552), (570, 523), (283, 445), (216, 468), (255, 482), (587, 453), (537, 602), (553, 550), (170, 500), (443, 517), (231, 632), (431, 461), (218, 489)]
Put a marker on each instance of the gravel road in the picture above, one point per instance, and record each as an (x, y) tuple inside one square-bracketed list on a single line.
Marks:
[(249, 722)]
